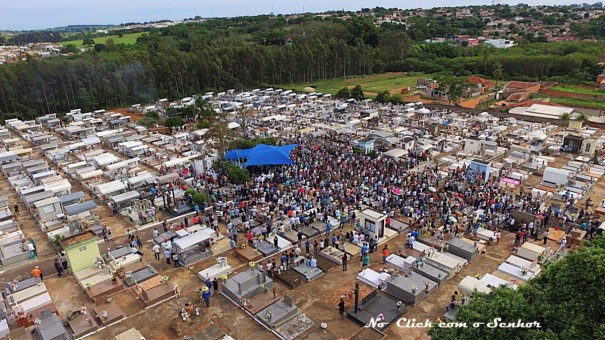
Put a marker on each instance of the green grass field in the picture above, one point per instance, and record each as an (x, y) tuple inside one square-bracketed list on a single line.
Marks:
[(370, 84), (577, 89), (127, 39), (573, 102)]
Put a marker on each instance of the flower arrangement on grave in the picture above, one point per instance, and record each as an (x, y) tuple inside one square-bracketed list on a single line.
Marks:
[(268, 315), (88, 286), (224, 277), (165, 279), (251, 264)]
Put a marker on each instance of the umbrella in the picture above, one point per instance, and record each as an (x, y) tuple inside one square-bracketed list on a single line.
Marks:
[(396, 191), (453, 219), (431, 189)]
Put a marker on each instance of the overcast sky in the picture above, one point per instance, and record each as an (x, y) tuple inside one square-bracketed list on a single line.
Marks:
[(38, 14)]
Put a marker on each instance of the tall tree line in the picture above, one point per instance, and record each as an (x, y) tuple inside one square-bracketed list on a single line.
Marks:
[(247, 52)]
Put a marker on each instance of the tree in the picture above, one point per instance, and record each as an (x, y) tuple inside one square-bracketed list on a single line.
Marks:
[(100, 47), (174, 122), (71, 48), (343, 93), (199, 198), (382, 97), (243, 116), (454, 87), (485, 59), (357, 93), (498, 72), (552, 299), (88, 42)]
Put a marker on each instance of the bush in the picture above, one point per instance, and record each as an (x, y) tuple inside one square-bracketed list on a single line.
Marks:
[(191, 192), (199, 198), (236, 174), (147, 122), (174, 122), (152, 115), (343, 93), (250, 143), (357, 93), (203, 125), (373, 154)]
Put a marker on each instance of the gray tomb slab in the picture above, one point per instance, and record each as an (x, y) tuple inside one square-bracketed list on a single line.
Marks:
[(374, 304), (164, 236), (140, 275), (402, 287), (246, 285), (308, 272), (117, 253), (432, 273), (462, 249), (398, 226), (50, 327), (23, 284), (295, 327), (321, 227), (278, 313), (266, 248), (309, 232)]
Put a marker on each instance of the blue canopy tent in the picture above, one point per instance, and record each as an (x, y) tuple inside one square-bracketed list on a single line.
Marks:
[(263, 154)]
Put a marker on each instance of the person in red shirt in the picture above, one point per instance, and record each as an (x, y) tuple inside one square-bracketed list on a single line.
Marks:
[(250, 237)]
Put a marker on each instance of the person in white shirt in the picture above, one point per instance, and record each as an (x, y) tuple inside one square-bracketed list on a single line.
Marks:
[(155, 233), (156, 251)]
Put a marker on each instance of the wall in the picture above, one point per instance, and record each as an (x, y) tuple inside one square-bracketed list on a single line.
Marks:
[(82, 255)]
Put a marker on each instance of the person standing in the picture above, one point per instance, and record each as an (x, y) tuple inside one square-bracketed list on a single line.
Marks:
[(63, 260), (563, 244), (104, 234), (215, 285), (345, 258), (38, 273), (167, 255), (365, 261), (175, 259), (139, 242), (341, 308), (16, 208), (156, 251), (206, 295), (385, 254), (58, 267), (233, 246), (545, 236)]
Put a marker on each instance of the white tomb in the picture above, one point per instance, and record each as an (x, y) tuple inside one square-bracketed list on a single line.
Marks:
[(215, 271)]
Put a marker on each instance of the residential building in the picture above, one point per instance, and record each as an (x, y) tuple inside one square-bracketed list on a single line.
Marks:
[(500, 43)]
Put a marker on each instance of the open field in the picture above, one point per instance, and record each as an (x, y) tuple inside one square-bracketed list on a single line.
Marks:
[(127, 39), (373, 84), (573, 102), (577, 89)]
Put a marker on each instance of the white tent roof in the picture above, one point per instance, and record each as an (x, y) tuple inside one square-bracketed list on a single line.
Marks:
[(396, 153)]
